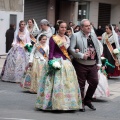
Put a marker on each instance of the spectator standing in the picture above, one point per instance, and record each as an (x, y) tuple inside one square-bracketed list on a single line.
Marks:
[(9, 37)]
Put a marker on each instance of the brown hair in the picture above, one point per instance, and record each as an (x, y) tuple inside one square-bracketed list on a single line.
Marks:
[(21, 22), (31, 20), (12, 26), (58, 25), (109, 26), (42, 37)]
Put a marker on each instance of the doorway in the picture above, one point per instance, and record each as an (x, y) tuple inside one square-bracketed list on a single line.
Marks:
[(13, 19), (104, 14)]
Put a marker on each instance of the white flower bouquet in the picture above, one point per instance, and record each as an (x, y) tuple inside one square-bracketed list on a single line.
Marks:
[(116, 51), (103, 58), (54, 65)]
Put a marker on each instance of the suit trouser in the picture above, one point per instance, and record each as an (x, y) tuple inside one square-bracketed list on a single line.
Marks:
[(89, 73)]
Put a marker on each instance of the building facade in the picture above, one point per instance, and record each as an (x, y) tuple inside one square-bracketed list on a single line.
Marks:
[(11, 12), (49, 9), (100, 12)]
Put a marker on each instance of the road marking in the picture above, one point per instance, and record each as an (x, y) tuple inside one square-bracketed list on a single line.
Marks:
[(14, 119)]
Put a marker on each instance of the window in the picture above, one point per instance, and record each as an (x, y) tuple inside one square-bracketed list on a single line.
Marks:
[(83, 9)]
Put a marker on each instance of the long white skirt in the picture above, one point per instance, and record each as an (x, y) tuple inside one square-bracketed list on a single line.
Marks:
[(102, 88)]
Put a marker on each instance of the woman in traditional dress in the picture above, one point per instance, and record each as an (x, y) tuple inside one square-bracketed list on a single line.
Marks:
[(18, 57), (59, 90), (38, 58), (33, 30), (46, 29), (110, 42)]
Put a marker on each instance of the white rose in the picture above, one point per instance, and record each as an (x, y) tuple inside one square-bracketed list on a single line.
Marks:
[(56, 65), (116, 51), (103, 58)]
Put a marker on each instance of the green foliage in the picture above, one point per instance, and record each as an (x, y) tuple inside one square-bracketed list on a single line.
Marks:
[(28, 47)]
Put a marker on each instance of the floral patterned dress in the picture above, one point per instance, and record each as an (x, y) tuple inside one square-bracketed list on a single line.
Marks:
[(59, 91), (17, 59), (32, 76)]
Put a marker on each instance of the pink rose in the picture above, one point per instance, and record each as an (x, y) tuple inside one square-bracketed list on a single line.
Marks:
[(48, 96)]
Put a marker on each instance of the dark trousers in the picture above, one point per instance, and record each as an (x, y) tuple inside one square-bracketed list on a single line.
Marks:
[(89, 73)]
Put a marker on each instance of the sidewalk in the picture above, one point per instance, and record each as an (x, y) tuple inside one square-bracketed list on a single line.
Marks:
[(2, 59)]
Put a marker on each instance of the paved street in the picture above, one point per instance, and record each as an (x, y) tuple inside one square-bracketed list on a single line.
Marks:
[(18, 105)]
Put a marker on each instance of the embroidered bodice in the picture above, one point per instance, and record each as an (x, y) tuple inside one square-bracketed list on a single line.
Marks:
[(21, 36), (36, 54), (55, 51), (109, 37)]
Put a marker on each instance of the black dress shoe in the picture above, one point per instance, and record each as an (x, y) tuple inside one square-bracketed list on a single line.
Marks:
[(83, 108), (90, 106)]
